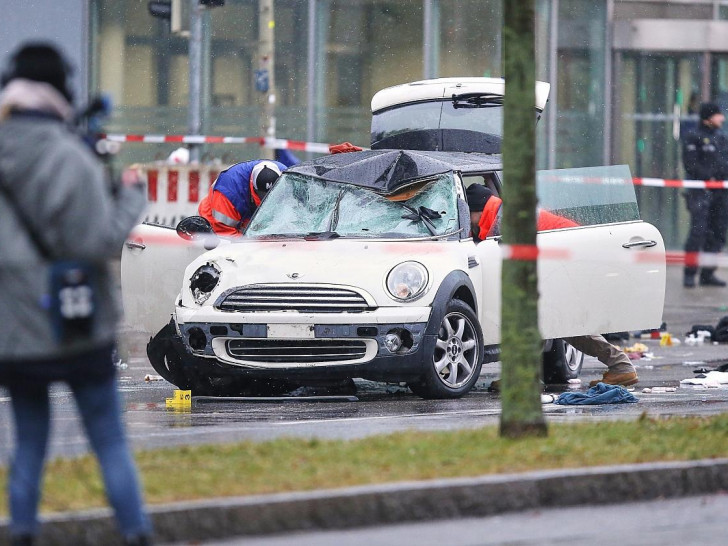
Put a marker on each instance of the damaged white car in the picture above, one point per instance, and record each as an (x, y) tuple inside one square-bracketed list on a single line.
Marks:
[(361, 265)]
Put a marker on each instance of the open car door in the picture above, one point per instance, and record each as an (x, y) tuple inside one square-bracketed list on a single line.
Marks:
[(605, 274), (153, 262)]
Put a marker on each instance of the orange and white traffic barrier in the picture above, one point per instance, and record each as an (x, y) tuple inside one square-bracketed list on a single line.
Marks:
[(173, 193)]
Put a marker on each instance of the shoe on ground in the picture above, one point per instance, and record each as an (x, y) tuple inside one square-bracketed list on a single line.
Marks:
[(711, 280), (22, 540), (613, 378), (689, 281), (494, 386)]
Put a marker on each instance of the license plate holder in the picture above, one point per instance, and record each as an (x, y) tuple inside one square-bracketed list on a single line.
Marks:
[(291, 331)]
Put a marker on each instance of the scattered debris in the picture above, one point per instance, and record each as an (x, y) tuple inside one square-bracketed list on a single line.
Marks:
[(712, 379), (152, 377), (658, 390), (698, 338), (548, 398)]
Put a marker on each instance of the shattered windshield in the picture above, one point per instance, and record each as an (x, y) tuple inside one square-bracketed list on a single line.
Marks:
[(301, 205)]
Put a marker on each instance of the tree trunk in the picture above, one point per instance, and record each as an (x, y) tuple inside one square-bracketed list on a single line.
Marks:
[(522, 414)]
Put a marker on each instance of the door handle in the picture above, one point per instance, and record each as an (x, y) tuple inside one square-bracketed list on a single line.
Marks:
[(135, 244), (644, 243)]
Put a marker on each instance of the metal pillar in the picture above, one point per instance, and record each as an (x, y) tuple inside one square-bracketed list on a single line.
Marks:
[(266, 70), (311, 73), (608, 91), (431, 39), (319, 16), (194, 117), (553, 72)]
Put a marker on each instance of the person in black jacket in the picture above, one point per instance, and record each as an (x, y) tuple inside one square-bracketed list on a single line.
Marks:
[(705, 155)]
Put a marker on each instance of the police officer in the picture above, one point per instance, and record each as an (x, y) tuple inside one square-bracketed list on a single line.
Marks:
[(237, 193), (705, 155)]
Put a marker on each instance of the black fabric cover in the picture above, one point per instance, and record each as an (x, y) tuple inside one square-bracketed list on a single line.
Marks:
[(385, 171)]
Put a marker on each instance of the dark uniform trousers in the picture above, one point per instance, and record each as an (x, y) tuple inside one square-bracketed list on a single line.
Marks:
[(705, 154), (708, 223)]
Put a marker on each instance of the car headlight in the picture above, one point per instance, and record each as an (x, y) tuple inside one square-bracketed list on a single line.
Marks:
[(203, 282), (407, 281)]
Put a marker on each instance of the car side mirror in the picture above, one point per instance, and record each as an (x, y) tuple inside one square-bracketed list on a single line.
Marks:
[(197, 228)]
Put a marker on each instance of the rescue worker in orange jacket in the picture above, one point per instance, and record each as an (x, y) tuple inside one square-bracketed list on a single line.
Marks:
[(237, 193), (485, 209)]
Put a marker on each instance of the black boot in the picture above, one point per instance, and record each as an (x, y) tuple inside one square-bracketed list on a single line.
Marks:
[(139, 540), (708, 278), (22, 540), (689, 280)]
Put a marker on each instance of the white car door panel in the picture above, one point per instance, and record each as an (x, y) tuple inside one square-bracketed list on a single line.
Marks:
[(153, 262), (611, 278), (592, 280)]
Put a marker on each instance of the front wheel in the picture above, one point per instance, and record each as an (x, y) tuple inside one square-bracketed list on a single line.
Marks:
[(454, 366), (561, 363)]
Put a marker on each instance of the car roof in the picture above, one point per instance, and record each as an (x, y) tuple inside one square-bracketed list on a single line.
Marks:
[(385, 171), (439, 88)]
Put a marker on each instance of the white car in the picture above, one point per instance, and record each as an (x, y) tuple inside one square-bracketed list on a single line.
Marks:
[(361, 265)]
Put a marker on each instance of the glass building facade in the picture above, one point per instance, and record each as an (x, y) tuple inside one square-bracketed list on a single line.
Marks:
[(626, 75), (331, 56)]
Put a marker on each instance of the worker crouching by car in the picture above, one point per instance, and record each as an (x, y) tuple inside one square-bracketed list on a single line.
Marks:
[(485, 211), (237, 193)]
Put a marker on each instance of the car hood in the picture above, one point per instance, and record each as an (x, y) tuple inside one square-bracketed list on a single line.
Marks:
[(363, 264)]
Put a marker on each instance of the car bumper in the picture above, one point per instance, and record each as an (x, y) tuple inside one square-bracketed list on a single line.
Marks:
[(314, 346)]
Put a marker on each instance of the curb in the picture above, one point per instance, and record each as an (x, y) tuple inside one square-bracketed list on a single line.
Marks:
[(398, 502)]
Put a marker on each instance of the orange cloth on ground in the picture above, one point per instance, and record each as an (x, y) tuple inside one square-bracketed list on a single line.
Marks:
[(218, 202)]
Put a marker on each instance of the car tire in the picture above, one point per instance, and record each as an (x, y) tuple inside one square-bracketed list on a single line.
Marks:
[(454, 366), (561, 363)]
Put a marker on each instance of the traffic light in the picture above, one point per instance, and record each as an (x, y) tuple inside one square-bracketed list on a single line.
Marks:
[(160, 8), (177, 12)]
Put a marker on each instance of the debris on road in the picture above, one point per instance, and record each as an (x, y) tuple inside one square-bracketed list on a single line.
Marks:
[(151, 377), (658, 390), (712, 379)]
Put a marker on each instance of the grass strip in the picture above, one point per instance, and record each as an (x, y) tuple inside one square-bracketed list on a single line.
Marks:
[(289, 464)]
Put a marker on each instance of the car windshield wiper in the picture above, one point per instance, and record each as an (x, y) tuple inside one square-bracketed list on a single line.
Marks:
[(321, 235), (424, 215), (334, 220), (476, 100)]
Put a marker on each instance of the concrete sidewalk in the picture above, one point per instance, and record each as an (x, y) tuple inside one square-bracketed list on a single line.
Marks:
[(398, 502)]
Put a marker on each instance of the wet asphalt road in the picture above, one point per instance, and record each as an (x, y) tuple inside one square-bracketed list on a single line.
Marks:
[(383, 408)]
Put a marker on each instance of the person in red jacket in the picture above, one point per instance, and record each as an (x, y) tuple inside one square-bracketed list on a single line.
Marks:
[(485, 212), (485, 208), (237, 193)]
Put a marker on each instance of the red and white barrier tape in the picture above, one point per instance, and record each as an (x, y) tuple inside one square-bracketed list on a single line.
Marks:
[(691, 184), (651, 182), (274, 143)]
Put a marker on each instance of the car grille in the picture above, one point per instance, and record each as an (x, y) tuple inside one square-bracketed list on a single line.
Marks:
[(296, 351), (302, 298)]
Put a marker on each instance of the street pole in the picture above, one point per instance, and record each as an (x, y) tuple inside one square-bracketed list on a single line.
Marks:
[(194, 117), (431, 39), (265, 75), (521, 346)]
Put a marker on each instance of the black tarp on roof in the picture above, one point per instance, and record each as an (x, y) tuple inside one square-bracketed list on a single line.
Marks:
[(386, 170)]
